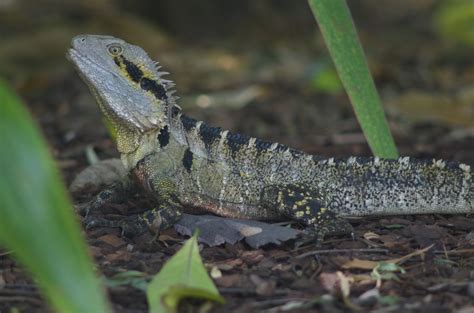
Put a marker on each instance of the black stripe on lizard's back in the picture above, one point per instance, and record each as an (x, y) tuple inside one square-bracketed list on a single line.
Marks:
[(188, 160), (209, 134), (188, 122), (235, 141), (175, 110), (164, 137), (262, 144)]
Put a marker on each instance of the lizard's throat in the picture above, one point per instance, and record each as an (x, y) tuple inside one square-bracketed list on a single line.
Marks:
[(126, 137)]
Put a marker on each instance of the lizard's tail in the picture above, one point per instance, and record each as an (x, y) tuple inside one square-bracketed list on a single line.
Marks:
[(403, 186)]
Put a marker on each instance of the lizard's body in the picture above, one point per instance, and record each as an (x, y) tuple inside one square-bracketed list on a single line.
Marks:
[(231, 182), (187, 164)]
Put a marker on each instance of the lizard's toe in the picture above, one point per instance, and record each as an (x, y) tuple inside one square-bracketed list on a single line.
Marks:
[(130, 226), (82, 208), (329, 227), (94, 222)]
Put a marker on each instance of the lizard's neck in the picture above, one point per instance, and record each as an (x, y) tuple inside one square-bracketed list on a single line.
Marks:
[(128, 138), (178, 132), (133, 145), (145, 144)]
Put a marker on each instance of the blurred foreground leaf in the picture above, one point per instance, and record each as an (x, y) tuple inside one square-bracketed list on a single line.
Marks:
[(183, 276), (339, 33), (37, 220)]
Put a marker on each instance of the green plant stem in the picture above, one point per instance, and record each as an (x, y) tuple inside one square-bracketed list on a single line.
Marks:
[(337, 27)]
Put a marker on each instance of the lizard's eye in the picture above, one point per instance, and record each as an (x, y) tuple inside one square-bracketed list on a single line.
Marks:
[(115, 50)]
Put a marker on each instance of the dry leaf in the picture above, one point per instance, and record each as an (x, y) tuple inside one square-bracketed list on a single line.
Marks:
[(329, 281), (371, 236), (112, 240), (344, 283), (360, 264), (122, 255)]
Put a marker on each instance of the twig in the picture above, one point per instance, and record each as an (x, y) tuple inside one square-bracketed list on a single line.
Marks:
[(330, 251), (462, 251), (22, 299), (278, 302), (250, 292), (6, 252)]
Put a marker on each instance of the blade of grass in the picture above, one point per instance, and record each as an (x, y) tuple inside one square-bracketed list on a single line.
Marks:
[(337, 27), (37, 220), (182, 276)]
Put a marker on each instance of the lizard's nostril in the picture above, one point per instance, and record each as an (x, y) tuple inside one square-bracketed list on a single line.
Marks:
[(78, 40)]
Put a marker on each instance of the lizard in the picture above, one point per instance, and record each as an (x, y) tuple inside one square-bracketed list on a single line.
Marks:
[(186, 165)]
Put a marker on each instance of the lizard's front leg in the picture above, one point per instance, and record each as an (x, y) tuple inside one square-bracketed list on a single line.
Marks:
[(115, 193), (305, 205), (154, 220)]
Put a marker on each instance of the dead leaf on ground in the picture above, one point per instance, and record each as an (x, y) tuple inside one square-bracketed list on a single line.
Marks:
[(371, 236), (329, 281), (228, 265), (425, 234), (215, 230), (252, 257), (263, 287), (393, 241), (121, 255), (228, 281), (112, 240)]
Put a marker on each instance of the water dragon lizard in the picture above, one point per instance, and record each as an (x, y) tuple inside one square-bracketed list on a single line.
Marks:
[(187, 165)]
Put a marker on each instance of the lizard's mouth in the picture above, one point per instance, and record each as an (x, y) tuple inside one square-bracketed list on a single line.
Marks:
[(75, 56)]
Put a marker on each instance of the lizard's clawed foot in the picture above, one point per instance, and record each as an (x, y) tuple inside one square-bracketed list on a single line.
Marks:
[(130, 226), (152, 220), (104, 197), (332, 227), (82, 208)]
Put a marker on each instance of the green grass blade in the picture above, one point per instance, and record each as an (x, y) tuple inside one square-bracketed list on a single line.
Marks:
[(339, 33), (37, 221), (183, 276)]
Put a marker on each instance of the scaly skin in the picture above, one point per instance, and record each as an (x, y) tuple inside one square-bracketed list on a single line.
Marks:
[(187, 165)]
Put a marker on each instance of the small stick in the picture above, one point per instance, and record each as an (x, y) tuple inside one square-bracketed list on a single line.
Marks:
[(329, 251)]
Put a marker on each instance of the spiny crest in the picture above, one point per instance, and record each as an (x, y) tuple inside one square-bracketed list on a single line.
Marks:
[(171, 107)]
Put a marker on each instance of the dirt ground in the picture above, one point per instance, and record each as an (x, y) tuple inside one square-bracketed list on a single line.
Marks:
[(272, 89)]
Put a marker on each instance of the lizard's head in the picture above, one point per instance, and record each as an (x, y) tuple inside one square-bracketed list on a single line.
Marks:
[(126, 82)]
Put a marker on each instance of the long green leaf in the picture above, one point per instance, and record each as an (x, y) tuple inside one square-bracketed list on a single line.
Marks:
[(36, 216), (339, 33), (183, 276)]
